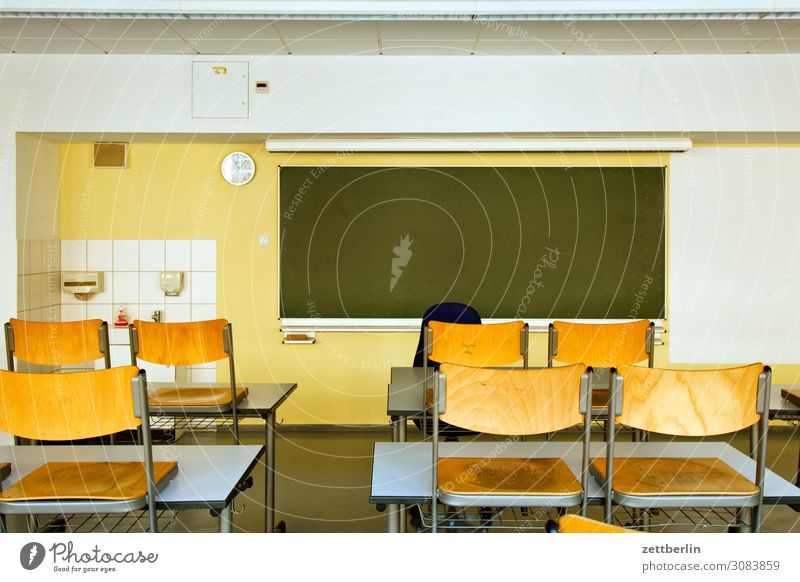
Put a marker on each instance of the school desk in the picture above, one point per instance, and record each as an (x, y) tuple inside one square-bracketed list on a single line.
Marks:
[(208, 477), (401, 472), (262, 402)]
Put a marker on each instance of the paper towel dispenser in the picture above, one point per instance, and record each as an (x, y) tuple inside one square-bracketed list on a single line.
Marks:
[(82, 284)]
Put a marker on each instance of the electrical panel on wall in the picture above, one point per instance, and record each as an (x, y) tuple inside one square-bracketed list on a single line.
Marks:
[(220, 90)]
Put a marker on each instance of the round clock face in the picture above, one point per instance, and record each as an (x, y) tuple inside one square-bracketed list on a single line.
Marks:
[(238, 168)]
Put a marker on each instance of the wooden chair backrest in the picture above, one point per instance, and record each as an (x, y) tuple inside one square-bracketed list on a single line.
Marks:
[(601, 345), (512, 402), (476, 344), (181, 344), (57, 343), (572, 523), (70, 406), (690, 402)]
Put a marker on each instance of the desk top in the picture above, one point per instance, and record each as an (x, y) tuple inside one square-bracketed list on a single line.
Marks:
[(260, 401), (405, 396), (401, 472), (207, 475), (779, 406), (791, 394)]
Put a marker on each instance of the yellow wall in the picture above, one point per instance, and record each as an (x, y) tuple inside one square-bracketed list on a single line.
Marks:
[(175, 191)]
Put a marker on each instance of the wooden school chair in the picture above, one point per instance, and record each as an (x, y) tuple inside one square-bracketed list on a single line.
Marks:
[(602, 346), (477, 345), (696, 403), (64, 407), (57, 343), (448, 312), (189, 344), (510, 402)]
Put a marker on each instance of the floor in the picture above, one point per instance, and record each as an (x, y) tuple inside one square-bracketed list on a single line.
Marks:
[(323, 481)]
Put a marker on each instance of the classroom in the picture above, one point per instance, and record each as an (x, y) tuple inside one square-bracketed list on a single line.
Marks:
[(430, 267)]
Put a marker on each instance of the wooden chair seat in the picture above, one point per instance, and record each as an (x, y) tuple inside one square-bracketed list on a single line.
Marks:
[(792, 395), (600, 397), (496, 476), (96, 481), (195, 396), (5, 470), (572, 523), (675, 476)]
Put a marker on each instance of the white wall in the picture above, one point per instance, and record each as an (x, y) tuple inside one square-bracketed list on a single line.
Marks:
[(734, 276), (38, 169), (413, 94)]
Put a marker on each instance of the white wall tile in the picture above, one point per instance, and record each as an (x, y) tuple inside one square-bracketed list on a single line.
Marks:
[(73, 255), (177, 313), (22, 257), (118, 336), (204, 375), (205, 366), (104, 311), (22, 292), (156, 373), (98, 255), (126, 288), (73, 312), (33, 315), (186, 293), (120, 356), (51, 313), (51, 288), (35, 286), (51, 255), (178, 255), (35, 256), (146, 310), (126, 255), (204, 287), (151, 255), (201, 312), (182, 375), (150, 288), (68, 298), (107, 294), (204, 255)]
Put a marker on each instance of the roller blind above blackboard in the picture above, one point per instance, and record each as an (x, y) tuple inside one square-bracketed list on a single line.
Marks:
[(513, 242)]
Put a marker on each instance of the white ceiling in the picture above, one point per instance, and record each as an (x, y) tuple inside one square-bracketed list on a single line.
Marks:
[(387, 37)]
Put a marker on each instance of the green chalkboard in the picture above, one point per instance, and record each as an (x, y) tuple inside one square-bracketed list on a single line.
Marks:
[(523, 242)]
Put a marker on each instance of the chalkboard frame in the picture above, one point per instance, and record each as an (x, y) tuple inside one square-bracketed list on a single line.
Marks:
[(311, 325)]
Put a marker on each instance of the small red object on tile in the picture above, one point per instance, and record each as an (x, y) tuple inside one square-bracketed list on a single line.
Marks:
[(122, 320)]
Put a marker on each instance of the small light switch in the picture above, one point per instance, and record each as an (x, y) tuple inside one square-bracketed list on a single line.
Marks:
[(262, 86)]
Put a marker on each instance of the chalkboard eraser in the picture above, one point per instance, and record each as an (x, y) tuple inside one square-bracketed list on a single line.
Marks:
[(299, 338)]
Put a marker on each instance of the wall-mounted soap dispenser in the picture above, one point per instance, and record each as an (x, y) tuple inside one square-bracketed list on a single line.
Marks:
[(172, 283)]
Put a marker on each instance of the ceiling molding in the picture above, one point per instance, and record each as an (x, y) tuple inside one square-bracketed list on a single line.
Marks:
[(406, 9)]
